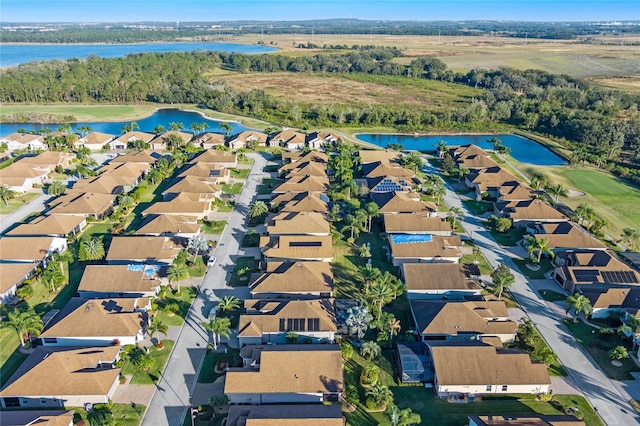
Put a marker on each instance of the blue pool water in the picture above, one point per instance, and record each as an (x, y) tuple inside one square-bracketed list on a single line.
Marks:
[(14, 54), (522, 149), (161, 117)]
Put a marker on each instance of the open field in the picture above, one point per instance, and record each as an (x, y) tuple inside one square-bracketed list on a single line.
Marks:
[(611, 197), (464, 53), (356, 89)]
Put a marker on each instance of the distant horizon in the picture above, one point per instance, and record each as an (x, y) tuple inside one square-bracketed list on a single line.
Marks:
[(138, 11)]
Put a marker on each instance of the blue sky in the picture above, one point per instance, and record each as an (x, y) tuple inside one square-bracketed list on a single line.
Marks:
[(213, 10)]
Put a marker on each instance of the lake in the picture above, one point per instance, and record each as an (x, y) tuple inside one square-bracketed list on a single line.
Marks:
[(160, 117), (14, 54), (522, 149)]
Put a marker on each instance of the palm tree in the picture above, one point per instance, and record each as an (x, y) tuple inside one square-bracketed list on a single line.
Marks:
[(53, 276), (372, 210), (502, 278), (358, 319), (176, 126), (462, 172), (370, 350), (394, 327), (83, 171), (258, 209), (380, 293), (24, 323), (369, 274), (405, 417), (7, 194), (159, 129), (578, 303), (538, 181), (154, 175), (441, 148), (130, 127), (228, 303), (219, 326), (585, 212), (196, 245), (177, 272), (226, 127), (91, 249), (125, 201), (64, 128), (84, 130), (630, 237), (157, 326), (439, 192), (433, 180), (455, 214), (355, 222), (380, 394), (538, 246), (599, 223), (195, 128), (557, 191)]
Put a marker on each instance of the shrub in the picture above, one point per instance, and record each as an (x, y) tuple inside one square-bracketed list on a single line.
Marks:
[(503, 224), (370, 375), (351, 394), (25, 291), (347, 350), (619, 353)]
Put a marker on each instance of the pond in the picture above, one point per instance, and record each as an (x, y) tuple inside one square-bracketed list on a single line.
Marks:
[(522, 149), (160, 117)]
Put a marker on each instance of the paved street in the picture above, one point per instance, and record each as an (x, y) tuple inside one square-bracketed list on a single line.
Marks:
[(170, 401), (606, 398)]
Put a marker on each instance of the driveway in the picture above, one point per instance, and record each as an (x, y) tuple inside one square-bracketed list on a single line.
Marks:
[(611, 402), (172, 396)]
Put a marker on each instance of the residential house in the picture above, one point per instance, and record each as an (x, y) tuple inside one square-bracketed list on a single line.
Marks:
[(194, 187), (286, 415), (386, 169), (301, 202), (488, 181), (30, 249), (515, 191), (579, 270), (525, 213), (472, 157), (129, 170), (142, 249), (316, 140), (525, 420), (209, 140), (276, 374), (184, 204), (272, 321), (145, 157), (388, 184), (63, 377), (298, 223), (51, 226), (451, 281), (121, 281), (106, 183), (631, 258), (415, 223), (95, 141), (214, 156), (207, 173), (403, 202), (304, 168), (128, 138), (303, 184), (472, 368), (564, 236), (424, 248), (89, 204), (612, 301), (161, 142), (460, 320), (21, 177), (247, 138), (29, 141), (289, 158), (38, 417), (378, 155), (299, 280), (282, 248), (98, 322), (290, 139), (11, 276), (170, 226), (49, 160)]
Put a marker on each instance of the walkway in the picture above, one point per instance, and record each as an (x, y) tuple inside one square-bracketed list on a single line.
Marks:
[(601, 392), (171, 399)]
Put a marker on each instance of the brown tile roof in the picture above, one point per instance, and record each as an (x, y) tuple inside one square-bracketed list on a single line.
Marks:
[(477, 161), (378, 168), (191, 184), (67, 371), (621, 298), (302, 202), (526, 420), (290, 369), (125, 169), (214, 156), (13, 273), (210, 138), (148, 157), (116, 279), (530, 210), (185, 137), (265, 315), (204, 170), (567, 235), (25, 248), (130, 136), (97, 138), (297, 247), (250, 135), (437, 317), (414, 222), (303, 184), (295, 277), (23, 170), (297, 156), (516, 191), (182, 205), (307, 168), (24, 138), (298, 223), (285, 415), (371, 156), (98, 318), (143, 248), (37, 418), (490, 177), (467, 150), (49, 225), (459, 365), (109, 183), (48, 158), (83, 203), (443, 246), (289, 136), (169, 224), (388, 184), (440, 276), (401, 202)]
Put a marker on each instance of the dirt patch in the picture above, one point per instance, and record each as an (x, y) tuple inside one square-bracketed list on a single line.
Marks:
[(573, 193)]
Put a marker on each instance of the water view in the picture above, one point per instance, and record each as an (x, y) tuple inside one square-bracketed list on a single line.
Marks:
[(14, 54), (522, 149), (162, 117)]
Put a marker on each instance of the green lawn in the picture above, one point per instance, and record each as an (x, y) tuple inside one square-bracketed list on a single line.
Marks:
[(235, 188), (213, 226), (509, 238), (537, 345), (268, 185), (478, 208), (250, 240), (442, 207), (182, 299), (17, 202), (207, 372), (198, 269), (271, 168), (10, 358), (485, 268), (152, 376), (124, 414), (88, 112), (599, 347), (552, 296), (239, 173), (545, 266), (242, 280)]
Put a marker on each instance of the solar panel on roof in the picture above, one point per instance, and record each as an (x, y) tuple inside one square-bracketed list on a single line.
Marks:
[(620, 277), (305, 244), (586, 275)]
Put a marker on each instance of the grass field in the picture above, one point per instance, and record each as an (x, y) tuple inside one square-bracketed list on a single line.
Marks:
[(611, 197), (151, 376), (15, 203)]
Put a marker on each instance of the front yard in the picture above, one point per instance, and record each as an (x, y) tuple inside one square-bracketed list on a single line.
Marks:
[(509, 238), (181, 302), (545, 266), (244, 267), (17, 202), (151, 376), (208, 373)]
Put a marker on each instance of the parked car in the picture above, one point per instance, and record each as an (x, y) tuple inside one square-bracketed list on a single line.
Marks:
[(211, 261)]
